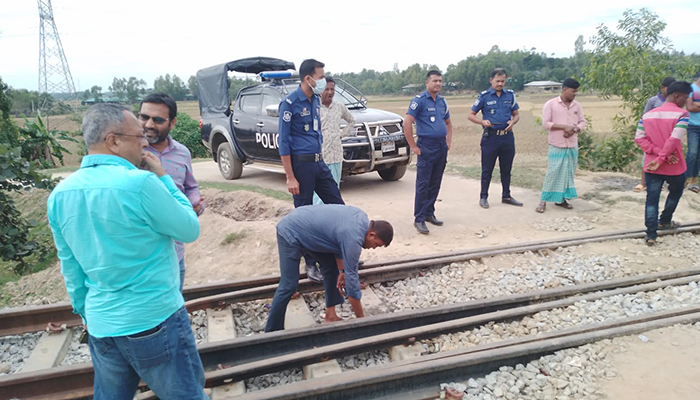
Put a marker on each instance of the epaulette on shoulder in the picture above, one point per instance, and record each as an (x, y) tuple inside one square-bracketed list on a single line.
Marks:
[(419, 95), (484, 92), (510, 90), (287, 100)]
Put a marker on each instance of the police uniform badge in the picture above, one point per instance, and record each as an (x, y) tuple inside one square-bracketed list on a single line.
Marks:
[(315, 124), (306, 127), (287, 116), (492, 111), (414, 105), (432, 118), (305, 112)]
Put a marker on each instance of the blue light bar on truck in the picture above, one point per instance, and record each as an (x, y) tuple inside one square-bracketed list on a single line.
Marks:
[(275, 74)]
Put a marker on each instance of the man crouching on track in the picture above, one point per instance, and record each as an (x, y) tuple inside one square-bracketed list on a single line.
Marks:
[(334, 235), (114, 227)]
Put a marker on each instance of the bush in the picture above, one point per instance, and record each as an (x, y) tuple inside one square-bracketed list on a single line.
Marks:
[(187, 132)]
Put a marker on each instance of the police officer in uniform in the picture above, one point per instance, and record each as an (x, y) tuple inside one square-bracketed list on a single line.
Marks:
[(499, 113), (300, 146), (432, 117)]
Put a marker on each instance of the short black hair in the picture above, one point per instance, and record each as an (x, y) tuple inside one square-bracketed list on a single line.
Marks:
[(431, 73), (498, 71), (162, 98), (329, 79), (308, 67), (570, 83), (668, 81), (682, 87), (384, 231)]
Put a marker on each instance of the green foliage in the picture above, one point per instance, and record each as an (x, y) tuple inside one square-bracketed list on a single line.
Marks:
[(586, 147), (128, 90), (632, 63), (187, 132), (30, 102), (192, 86), (40, 145), (173, 86), (616, 153), (17, 173), (236, 84)]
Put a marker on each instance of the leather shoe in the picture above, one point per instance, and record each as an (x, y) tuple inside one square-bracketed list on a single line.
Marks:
[(314, 274), (434, 220), (512, 202), (422, 228), (483, 202)]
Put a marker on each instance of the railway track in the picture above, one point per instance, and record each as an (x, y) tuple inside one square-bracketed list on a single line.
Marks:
[(235, 359)]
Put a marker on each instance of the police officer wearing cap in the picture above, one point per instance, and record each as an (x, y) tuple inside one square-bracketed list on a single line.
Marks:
[(300, 142), (499, 113), (434, 129)]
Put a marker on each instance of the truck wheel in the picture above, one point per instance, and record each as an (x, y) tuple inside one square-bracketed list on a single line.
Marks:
[(394, 173), (229, 165)]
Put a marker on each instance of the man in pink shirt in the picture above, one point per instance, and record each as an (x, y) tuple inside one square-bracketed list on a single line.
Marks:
[(564, 119), (659, 134)]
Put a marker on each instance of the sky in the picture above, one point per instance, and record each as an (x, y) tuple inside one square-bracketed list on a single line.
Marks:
[(149, 38)]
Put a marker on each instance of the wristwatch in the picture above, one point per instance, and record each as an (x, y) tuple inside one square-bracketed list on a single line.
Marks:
[(342, 271)]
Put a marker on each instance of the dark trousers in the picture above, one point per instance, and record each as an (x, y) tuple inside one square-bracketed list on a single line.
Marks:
[(691, 157), (429, 169), (503, 148), (315, 177), (290, 255), (675, 191)]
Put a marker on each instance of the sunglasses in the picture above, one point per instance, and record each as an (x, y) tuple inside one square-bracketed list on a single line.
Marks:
[(156, 120)]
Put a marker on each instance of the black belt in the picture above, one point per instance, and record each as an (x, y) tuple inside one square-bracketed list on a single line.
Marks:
[(307, 157), (497, 132)]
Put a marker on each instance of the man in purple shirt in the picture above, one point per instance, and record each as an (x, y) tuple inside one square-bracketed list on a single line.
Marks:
[(158, 117)]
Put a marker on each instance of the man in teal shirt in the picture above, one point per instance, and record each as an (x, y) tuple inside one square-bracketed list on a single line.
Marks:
[(114, 226)]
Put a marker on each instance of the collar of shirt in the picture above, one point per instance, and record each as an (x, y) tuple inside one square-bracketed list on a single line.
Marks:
[(300, 95), (93, 160), (170, 147), (661, 97), (428, 95), (560, 101)]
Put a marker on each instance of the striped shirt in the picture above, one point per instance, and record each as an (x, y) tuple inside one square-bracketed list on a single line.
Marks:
[(695, 95), (659, 134), (331, 118)]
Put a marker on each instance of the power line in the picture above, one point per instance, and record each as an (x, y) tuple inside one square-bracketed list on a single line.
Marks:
[(54, 74)]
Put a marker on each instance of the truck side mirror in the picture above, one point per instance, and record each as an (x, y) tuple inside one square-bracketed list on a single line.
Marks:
[(273, 110)]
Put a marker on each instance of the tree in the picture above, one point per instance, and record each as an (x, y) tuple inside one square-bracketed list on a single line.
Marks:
[(128, 89), (192, 86), (173, 86), (632, 63), (17, 173), (96, 92)]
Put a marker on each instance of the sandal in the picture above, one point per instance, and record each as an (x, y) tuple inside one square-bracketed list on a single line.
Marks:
[(670, 225), (541, 207), (564, 204), (694, 188), (639, 188), (649, 242)]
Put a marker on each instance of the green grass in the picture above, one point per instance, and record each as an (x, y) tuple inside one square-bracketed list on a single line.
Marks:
[(227, 187), (234, 237), (523, 177)]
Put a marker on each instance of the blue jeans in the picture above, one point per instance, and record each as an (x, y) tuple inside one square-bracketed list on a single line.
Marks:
[(166, 359), (691, 158), (493, 147), (336, 171), (182, 274), (429, 170), (290, 255), (675, 191)]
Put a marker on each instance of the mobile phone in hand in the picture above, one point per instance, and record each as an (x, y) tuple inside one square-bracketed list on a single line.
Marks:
[(84, 337)]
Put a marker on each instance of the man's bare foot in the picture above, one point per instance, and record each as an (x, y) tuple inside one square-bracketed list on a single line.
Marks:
[(331, 318)]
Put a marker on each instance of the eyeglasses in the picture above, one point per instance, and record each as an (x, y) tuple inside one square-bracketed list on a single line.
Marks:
[(140, 137), (156, 120)]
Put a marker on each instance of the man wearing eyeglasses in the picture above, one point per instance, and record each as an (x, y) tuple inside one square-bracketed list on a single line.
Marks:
[(158, 117), (113, 226)]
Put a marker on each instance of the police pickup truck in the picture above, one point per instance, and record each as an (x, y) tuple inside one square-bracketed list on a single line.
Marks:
[(246, 131)]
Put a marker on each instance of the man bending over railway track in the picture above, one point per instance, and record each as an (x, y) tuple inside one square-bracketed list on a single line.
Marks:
[(334, 235), (114, 227)]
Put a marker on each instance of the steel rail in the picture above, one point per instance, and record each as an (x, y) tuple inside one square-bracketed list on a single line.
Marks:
[(66, 382), (419, 379), (376, 342), (35, 318)]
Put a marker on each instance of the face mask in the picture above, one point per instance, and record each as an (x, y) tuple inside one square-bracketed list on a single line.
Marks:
[(320, 86)]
